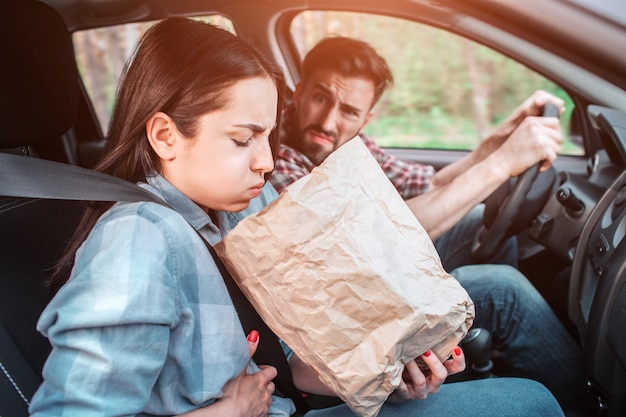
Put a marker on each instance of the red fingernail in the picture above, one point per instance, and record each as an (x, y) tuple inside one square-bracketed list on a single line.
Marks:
[(457, 351), (253, 336), (427, 353)]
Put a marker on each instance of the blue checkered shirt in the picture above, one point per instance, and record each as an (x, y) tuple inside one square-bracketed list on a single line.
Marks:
[(145, 325)]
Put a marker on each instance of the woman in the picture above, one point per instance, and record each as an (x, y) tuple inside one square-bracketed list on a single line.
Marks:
[(145, 325)]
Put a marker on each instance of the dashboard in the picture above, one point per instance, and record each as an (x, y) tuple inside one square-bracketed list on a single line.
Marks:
[(587, 218)]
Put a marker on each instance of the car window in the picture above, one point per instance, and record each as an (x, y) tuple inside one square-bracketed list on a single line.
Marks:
[(448, 91), (101, 55)]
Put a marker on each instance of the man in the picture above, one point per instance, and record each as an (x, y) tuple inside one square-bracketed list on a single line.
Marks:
[(342, 79)]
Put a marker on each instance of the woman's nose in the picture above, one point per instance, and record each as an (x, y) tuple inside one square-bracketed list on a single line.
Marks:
[(263, 160)]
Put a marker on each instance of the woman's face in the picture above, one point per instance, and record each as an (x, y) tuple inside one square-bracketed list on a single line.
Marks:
[(223, 166)]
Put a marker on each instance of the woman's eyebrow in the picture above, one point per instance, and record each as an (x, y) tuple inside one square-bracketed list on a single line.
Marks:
[(254, 127)]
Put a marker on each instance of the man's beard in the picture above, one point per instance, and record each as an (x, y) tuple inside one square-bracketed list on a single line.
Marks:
[(316, 152)]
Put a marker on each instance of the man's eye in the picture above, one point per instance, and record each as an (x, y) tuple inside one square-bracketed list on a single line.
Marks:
[(319, 98), (243, 144), (350, 114)]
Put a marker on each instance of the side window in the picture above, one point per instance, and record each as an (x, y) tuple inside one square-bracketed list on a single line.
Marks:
[(102, 53), (448, 91)]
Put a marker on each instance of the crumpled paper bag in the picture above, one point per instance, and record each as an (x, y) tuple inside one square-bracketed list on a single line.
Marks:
[(341, 270)]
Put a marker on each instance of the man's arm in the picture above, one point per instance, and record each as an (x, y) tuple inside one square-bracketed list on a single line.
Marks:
[(536, 140), (532, 106), (442, 207)]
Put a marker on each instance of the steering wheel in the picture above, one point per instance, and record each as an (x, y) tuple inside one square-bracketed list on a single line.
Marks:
[(507, 204)]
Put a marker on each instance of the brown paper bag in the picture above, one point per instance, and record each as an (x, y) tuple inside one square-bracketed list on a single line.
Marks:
[(341, 270)]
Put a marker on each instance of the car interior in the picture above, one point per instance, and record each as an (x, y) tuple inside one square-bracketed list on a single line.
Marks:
[(570, 221), (48, 104)]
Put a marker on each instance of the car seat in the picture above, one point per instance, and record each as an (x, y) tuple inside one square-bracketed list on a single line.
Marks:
[(39, 96)]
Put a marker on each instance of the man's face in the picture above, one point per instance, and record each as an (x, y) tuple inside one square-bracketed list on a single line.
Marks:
[(330, 110)]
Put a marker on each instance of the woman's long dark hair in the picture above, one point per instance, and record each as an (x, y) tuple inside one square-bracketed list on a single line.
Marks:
[(183, 68)]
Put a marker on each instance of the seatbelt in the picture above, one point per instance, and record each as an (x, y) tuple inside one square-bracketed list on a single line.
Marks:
[(269, 350), (22, 176)]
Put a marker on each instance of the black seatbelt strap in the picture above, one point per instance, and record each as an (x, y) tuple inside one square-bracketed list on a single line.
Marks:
[(36, 178), (269, 350), (22, 176)]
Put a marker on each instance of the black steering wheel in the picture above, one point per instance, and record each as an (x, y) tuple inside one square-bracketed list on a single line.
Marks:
[(514, 204)]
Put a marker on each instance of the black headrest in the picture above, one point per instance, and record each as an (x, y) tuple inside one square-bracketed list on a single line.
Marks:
[(38, 74)]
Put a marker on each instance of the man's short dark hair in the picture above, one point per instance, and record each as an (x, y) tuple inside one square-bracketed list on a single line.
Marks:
[(349, 57)]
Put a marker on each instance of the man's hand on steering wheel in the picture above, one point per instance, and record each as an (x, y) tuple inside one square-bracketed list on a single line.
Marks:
[(531, 149), (532, 106)]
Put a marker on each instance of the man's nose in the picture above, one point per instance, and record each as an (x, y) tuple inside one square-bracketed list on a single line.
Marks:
[(329, 119)]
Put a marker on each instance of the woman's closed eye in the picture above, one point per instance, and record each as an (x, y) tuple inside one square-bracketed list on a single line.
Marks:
[(243, 144)]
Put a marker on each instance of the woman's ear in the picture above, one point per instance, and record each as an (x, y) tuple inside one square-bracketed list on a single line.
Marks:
[(162, 134)]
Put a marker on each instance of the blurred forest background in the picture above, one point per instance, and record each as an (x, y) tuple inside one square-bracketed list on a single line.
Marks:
[(448, 92)]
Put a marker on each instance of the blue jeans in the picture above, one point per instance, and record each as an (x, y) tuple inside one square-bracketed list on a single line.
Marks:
[(501, 397), (528, 339), (455, 246)]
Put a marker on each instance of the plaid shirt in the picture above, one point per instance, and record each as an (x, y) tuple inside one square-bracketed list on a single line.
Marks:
[(409, 178), (145, 325)]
